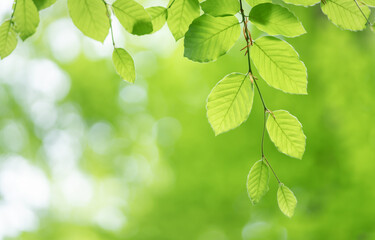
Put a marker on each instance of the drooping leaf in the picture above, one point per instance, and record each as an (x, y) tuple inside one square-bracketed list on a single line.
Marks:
[(180, 16), (286, 200), (286, 133), (302, 2), (133, 17), (90, 16), (158, 17), (276, 20), (210, 37), (220, 8), (346, 14), (253, 3), (370, 3), (42, 4), (26, 18), (279, 65), (257, 181), (230, 102), (124, 64), (8, 39)]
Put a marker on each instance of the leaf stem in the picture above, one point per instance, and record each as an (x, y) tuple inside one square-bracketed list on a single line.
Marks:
[(274, 173), (107, 6)]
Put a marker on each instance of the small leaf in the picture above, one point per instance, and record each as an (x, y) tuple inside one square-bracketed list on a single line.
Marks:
[(253, 3), (42, 4), (90, 16), (276, 20), (286, 200), (180, 16), (124, 64), (257, 181), (230, 102), (26, 18), (220, 8), (133, 17), (279, 65), (346, 14), (302, 2), (8, 39), (158, 17), (286, 133), (210, 37)]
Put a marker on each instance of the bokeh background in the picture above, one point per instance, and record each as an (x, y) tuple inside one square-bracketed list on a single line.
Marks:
[(86, 156)]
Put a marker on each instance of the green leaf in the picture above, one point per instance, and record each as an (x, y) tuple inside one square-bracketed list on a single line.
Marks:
[(158, 17), (276, 20), (180, 16), (42, 4), (90, 16), (230, 102), (286, 200), (210, 37), (370, 3), (302, 2), (253, 3), (26, 18), (8, 39), (220, 8), (124, 64), (257, 181), (279, 65), (346, 14), (286, 133), (133, 17)]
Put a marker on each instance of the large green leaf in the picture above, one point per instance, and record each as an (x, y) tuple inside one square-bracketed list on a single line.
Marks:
[(276, 20), (370, 3), (286, 133), (8, 39), (42, 4), (26, 18), (210, 37), (180, 16), (302, 2), (253, 3), (124, 64), (346, 14), (90, 16), (133, 17), (279, 65), (219, 8), (230, 102), (158, 17), (257, 181), (286, 200)]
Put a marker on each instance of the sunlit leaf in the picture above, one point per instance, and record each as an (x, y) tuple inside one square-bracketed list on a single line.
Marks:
[(124, 64), (256, 2), (286, 133), (279, 65), (230, 102), (276, 20), (219, 8), (133, 17), (42, 4), (286, 200), (370, 3), (180, 16), (257, 181), (26, 18), (210, 37), (346, 14), (302, 2), (158, 17), (8, 39)]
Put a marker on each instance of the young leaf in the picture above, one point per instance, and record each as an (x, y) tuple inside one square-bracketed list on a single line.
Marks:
[(220, 8), (133, 17), (26, 18), (229, 103), (124, 64), (276, 20), (286, 133), (180, 16), (253, 3), (158, 17), (8, 39), (346, 14), (279, 65), (210, 37), (370, 3), (257, 181), (42, 4), (302, 2), (90, 16), (286, 200)]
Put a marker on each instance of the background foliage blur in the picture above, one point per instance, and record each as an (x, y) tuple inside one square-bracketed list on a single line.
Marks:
[(84, 155)]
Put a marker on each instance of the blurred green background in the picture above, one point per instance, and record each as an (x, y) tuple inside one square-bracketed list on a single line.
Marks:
[(86, 156)]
